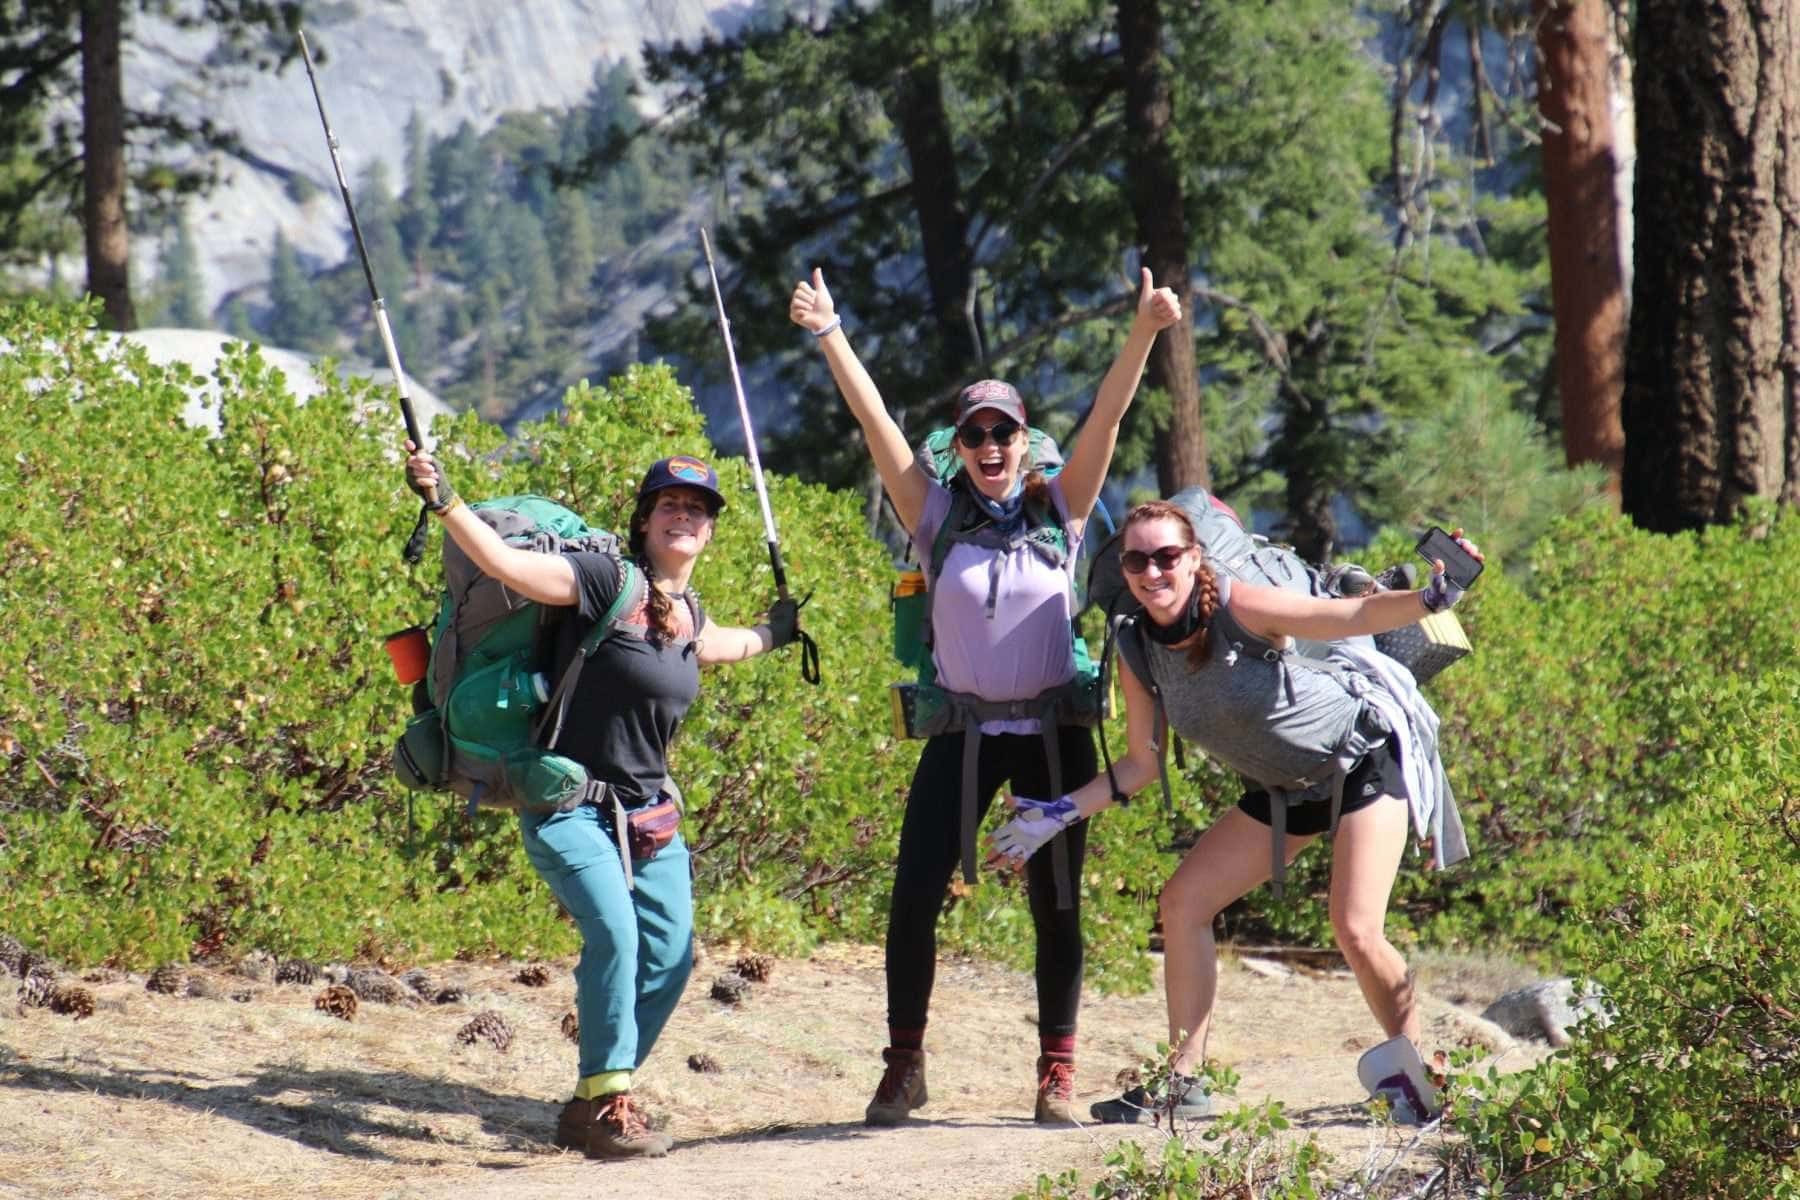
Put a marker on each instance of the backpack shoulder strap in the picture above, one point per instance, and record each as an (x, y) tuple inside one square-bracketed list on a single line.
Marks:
[(632, 589)]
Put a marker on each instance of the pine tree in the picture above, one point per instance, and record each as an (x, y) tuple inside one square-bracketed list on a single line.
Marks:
[(297, 316), (178, 277), (572, 232), (418, 207)]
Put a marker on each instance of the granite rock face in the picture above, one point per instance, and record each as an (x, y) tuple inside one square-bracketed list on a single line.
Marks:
[(448, 60)]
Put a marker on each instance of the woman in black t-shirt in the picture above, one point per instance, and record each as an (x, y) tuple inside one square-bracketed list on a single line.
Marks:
[(637, 936)]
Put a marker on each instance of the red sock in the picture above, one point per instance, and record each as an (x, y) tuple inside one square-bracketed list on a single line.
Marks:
[(1060, 1046), (906, 1039)]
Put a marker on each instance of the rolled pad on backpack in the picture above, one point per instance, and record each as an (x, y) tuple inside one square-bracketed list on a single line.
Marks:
[(1394, 1070)]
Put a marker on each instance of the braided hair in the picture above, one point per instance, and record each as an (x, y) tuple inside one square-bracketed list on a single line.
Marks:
[(659, 610), (1205, 599)]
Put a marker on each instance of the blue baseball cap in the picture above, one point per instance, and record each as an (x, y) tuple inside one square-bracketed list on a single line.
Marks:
[(683, 470)]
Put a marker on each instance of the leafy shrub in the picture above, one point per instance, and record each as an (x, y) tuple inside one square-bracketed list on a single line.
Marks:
[(196, 715), (1692, 1088)]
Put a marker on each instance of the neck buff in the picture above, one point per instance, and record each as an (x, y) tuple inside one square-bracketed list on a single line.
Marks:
[(1185, 627), (1008, 515)]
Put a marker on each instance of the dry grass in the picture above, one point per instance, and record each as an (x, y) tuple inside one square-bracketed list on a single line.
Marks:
[(178, 1096)]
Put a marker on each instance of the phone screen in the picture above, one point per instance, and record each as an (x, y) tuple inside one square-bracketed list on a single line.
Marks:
[(1462, 567)]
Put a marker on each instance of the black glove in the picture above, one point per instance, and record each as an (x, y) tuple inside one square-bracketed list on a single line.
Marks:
[(784, 622), (446, 495)]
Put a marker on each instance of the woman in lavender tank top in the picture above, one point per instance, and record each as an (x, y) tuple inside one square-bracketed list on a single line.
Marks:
[(1000, 633)]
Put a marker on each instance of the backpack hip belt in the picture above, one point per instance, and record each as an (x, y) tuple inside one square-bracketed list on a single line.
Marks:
[(1061, 705)]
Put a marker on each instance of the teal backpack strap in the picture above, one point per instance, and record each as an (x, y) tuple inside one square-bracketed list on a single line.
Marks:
[(632, 588)]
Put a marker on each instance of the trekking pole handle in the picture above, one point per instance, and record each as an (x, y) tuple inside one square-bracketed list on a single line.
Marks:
[(737, 387), (381, 316)]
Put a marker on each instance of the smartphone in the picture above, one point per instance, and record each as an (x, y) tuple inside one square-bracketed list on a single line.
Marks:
[(1462, 568)]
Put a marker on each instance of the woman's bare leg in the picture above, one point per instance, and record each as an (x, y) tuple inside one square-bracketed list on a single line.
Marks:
[(1230, 858), (1365, 856)]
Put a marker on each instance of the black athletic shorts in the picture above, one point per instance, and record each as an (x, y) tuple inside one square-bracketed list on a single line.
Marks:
[(1376, 774)]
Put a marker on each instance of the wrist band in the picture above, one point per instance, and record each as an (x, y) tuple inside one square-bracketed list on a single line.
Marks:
[(444, 510), (835, 322)]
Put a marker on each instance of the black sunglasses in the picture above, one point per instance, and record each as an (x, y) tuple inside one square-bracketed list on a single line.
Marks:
[(1136, 562), (973, 435)]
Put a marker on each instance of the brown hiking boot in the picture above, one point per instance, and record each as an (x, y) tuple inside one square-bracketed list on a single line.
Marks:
[(609, 1127), (902, 1088), (1056, 1090)]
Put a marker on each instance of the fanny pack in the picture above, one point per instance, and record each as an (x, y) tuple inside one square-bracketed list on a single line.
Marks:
[(643, 832)]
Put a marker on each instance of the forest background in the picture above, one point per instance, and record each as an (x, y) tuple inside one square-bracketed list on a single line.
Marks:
[(196, 729)]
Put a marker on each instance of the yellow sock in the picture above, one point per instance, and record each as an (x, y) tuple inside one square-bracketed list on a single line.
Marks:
[(592, 1087)]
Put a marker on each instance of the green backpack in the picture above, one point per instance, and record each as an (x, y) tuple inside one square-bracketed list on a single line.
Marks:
[(489, 720)]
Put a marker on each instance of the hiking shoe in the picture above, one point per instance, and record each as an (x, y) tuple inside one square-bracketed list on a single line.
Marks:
[(1139, 1104), (1055, 1091), (1406, 1106), (609, 1127), (902, 1087)]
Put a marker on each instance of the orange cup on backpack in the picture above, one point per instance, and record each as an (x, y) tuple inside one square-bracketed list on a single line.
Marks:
[(410, 652)]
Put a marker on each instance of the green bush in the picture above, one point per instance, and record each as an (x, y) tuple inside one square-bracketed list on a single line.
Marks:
[(1692, 1088), (196, 714)]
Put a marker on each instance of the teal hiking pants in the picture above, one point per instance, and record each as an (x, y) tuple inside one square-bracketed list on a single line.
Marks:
[(637, 946)]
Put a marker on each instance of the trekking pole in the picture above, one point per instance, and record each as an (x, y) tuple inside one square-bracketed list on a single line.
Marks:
[(809, 649), (415, 545)]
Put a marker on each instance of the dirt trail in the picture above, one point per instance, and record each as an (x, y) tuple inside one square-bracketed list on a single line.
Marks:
[(191, 1096)]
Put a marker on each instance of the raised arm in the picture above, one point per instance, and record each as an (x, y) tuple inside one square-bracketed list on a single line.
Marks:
[(1157, 309), (1272, 613), (546, 578), (811, 308)]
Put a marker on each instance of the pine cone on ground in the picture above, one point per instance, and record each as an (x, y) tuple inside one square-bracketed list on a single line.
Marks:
[(754, 967), (11, 950), (488, 1027), (30, 960), (72, 1001), (377, 987), (296, 970), (337, 1000), (202, 986), (450, 995), (536, 975), (705, 1064), (35, 988), (166, 979), (571, 1026), (732, 989)]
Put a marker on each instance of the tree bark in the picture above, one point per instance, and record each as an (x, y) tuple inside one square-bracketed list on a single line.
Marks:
[(1587, 290), (103, 161), (1712, 386), (917, 107), (1154, 179)]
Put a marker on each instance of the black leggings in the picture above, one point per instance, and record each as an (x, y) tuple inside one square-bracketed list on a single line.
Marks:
[(929, 853)]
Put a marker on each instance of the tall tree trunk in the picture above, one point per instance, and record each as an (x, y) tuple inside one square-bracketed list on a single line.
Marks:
[(1712, 384), (1586, 281), (1154, 179), (917, 107), (1307, 450), (103, 161)]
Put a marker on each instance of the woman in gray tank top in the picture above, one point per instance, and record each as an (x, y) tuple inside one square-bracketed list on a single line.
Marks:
[(1353, 735)]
